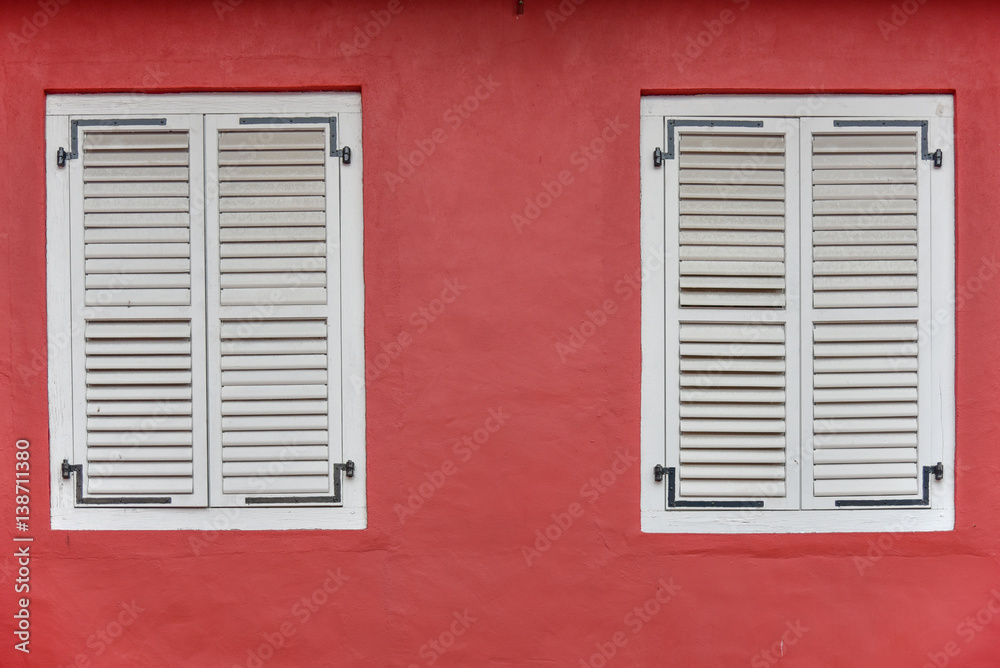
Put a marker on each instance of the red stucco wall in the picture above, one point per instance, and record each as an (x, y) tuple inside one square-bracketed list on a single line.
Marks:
[(456, 564)]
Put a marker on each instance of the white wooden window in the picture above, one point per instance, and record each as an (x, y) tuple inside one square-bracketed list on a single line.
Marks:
[(205, 311), (798, 339)]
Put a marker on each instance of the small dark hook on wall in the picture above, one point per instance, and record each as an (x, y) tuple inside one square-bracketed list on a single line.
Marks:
[(520, 6)]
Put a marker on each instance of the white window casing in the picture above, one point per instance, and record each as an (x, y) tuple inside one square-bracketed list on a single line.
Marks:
[(205, 311), (797, 375)]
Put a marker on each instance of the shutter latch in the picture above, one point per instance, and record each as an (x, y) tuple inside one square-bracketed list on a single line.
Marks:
[(938, 469), (658, 472)]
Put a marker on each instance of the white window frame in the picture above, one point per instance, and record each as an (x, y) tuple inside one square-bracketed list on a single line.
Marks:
[(352, 513), (938, 110)]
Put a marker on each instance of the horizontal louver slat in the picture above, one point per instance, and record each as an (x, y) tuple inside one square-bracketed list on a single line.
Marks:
[(732, 410), (864, 222), (732, 208)]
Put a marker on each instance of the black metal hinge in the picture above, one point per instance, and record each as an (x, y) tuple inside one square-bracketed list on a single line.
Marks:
[(62, 155), (348, 469), (69, 469), (925, 500), (343, 153), (660, 471), (937, 156), (659, 156)]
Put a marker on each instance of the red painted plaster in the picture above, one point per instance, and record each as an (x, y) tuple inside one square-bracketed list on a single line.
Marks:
[(215, 602)]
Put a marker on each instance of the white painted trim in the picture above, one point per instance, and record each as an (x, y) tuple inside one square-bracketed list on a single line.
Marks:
[(819, 104), (118, 105), (797, 521), (347, 106), (208, 519), (938, 110)]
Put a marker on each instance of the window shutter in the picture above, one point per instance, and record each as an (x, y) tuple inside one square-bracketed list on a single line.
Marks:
[(274, 290), (731, 348), (136, 244), (869, 217)]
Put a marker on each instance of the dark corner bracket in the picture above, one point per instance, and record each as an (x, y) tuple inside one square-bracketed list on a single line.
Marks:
[(347, 468), (937, 156), (659, 471), (69, 469), (343, 153), (62, 155), (937, 470), (659, 156)]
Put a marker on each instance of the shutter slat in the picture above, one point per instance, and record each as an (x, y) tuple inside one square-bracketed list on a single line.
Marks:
[(733, 471), (141, 468), (271, 188), (249, 296), (285, 467), (303, 157), (871, 440), (143, 453), (732, 456), (285, 439), (140, 485), (248, 392), (272, 234), (860, 176), (272, 173), (274, 407), (251, 140), (273, 484), (866, 456), (733, 488), (725, 191), (869, 298), (264, 453), (866, 487), (751, 223), (736, 441), (722, 380), (154, 297), (882, 142)]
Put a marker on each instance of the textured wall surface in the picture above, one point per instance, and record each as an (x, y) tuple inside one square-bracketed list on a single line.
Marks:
[(503, 104)]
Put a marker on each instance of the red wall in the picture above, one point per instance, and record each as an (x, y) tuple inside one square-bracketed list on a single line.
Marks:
[(213, 599)]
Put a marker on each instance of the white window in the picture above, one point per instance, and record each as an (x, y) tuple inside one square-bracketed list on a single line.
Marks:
[(205, 311), (797, 313)]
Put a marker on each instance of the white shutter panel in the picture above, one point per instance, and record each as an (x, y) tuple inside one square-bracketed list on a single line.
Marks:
[(731, 347), (137, 294), (274, 290), (870, 206)]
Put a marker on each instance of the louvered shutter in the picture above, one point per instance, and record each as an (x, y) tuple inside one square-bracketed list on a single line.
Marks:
[(869, 307), (731, 347), (137, 299), (273, 293)]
